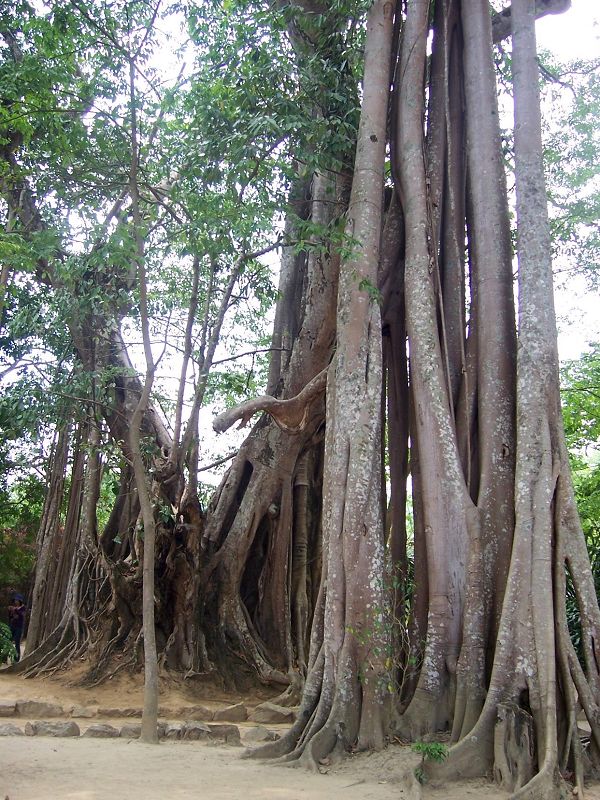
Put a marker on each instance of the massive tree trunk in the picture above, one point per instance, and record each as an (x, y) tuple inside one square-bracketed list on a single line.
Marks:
[(536, 671), (495, 524), (343, 696), (250, 536), (42, 621), (444, 498), (70, 584)]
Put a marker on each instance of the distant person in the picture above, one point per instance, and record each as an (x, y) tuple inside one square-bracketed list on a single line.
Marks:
[(16, 621)]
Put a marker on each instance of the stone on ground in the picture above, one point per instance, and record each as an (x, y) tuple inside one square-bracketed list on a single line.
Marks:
[(230, 734), (235, 713), (101, 730), (7, 708), (174, 730), (132, 730), (38, 708), (196, 730), (83, 712), (8, 729), (272, 714), (42, 728), (260, 734)]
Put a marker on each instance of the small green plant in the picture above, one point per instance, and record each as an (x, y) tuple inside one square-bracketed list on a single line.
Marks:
[(7, 648), (366, 286), (430, 751), (384, 638)]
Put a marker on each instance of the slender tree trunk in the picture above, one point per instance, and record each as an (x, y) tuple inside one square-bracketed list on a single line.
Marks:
[(492, 307), (150, 711), (445, 501)]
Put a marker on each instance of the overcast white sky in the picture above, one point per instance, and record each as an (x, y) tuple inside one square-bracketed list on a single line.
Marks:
[(574, 34)]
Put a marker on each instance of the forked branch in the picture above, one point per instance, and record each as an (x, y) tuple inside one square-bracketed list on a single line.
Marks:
[(291, 415)]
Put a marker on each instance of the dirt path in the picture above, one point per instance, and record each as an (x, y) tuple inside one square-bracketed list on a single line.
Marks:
[(97, 769), (91, 769), (39, 768)]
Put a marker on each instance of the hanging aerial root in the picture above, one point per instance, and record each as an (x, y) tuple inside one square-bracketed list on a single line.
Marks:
[(291, 415)]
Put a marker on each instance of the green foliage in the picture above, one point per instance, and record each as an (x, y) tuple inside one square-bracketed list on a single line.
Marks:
[(384, 639), (581, 414), (571, 153), (366, 286), (7, 647), (66, 118), (430, 751), (226, 387), (20, 513), (580, 388), (164, 513)]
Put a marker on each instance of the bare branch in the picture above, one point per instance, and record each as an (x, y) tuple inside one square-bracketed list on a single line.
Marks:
[(502, 22), (251, 353), (291, 415), (219, 461)]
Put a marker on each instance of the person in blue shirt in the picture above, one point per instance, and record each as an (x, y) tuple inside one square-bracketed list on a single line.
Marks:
[(16, 621)]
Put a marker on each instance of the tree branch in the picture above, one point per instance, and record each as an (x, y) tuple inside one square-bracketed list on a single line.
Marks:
[(291, 415), (502, 22)]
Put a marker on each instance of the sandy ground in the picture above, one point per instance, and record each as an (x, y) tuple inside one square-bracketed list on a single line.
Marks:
[(37, 768), (90, 769), (95, 769)]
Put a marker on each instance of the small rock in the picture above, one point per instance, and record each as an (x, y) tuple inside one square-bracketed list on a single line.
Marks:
[(7, 708), (52, 729), (119, 712), (236, 713), (229, 733), (272, 714), (101, 730), (173, 730), (37, 708), (195, 713), (132, 730), (83, 712), (8, 729), (195, 731), (260, 734)]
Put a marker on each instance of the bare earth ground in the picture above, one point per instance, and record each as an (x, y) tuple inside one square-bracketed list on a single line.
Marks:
[(40, 768)]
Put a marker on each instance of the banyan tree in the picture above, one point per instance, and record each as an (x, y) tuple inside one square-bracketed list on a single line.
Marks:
[(401, 376)]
